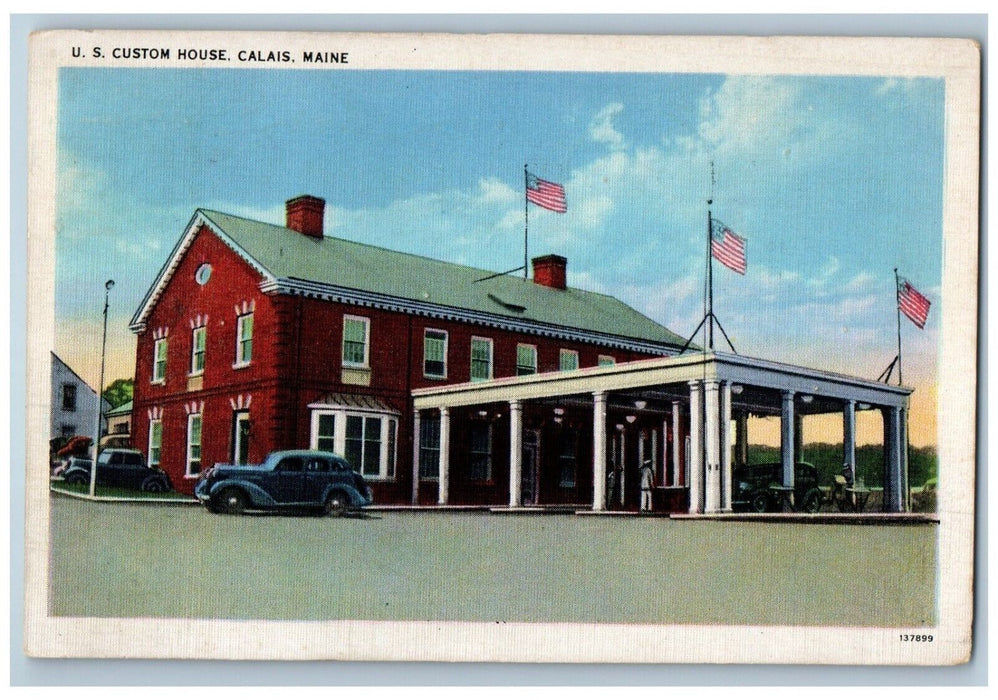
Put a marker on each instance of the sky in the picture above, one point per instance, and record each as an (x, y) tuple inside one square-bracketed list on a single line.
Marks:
[(833, 181)]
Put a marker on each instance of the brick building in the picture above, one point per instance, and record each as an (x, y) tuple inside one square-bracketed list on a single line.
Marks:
[(256, 337)]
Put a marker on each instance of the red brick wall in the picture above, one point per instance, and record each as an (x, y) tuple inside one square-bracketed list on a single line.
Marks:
[(232, 282), (297, 359)]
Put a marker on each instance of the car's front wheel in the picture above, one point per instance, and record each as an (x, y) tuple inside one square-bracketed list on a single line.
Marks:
[(759, 502), (77, 479), (231, 501), (153, 485), (336, 504), (812, 502)]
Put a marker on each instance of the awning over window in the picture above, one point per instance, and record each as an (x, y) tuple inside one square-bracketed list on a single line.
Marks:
[(356, 402)]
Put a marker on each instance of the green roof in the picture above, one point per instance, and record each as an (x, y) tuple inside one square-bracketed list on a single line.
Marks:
[(122, 410), (285, 253)]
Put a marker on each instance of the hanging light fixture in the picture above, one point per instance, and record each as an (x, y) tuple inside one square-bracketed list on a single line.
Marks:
[(640, 404)]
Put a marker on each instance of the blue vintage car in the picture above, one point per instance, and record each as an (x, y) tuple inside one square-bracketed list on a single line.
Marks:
[(288, 480)]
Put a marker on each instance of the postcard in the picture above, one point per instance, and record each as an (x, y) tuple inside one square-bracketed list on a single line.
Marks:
[(517, 348)]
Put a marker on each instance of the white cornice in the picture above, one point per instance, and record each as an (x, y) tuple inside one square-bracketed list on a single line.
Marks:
[(328, 292), (199, 220)]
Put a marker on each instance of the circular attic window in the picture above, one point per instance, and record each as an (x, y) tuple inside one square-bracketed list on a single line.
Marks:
[(203, 274)]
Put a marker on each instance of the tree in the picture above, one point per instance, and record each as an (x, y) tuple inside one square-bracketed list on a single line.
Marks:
[(119, 392)]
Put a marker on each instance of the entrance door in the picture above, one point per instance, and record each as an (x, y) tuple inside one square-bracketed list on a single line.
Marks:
[(240, 437), (528, 477)]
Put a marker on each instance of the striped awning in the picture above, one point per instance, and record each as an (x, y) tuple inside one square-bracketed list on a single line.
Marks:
[(353, 401)]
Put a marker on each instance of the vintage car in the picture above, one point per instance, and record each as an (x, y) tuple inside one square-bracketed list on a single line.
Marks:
[(287, 480), (118, 467), (757, 488)]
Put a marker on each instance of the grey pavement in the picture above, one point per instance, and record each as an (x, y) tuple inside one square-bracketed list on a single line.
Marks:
[(127, 560)]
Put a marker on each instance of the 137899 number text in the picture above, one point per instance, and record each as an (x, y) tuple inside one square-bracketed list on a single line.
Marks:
[(916, 637)]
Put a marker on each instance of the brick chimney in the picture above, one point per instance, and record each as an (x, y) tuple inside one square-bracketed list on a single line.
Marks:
[(304, 214), (549, 271)]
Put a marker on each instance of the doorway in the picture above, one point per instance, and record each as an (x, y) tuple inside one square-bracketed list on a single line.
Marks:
[(240, 437)]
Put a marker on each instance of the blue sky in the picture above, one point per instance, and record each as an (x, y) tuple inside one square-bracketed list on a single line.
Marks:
[(834, 181)]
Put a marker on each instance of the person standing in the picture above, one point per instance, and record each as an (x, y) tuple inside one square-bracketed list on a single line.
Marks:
[(647, 484)]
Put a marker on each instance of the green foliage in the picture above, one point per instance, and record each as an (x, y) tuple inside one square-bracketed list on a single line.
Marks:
[(119, 392), (923, 463)]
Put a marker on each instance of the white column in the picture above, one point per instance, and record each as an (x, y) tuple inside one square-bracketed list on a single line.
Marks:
[(726, 446), (712, 456), (849, 435), (798, 437), (641, 448), (741, 437), (443, 476), (676, 464), (893, 498), (515, 454), (695, 456), (903, 446), (416, 427), (787, 439), (599, 450)]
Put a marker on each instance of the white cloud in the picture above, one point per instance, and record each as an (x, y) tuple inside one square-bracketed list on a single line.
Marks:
[(602, 129)]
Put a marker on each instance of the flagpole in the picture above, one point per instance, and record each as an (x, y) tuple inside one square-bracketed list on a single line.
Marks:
[(710, 280), (526, 216), (710, 264), (897, 303)]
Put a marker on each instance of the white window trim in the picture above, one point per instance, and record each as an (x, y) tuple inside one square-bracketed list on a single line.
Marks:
[(194, 346), (446, 352), (187, 462), (240, 363), (157, 344), (563, 352), (600, 361), (366, 364), (525, 345), (152, 424), (340, 416), (472, 359)]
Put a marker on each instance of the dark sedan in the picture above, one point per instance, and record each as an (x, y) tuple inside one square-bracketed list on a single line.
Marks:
[(288, 480), (757, 488), (119, 467)]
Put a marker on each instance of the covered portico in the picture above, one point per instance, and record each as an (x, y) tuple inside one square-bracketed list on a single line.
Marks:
[(685, 409)]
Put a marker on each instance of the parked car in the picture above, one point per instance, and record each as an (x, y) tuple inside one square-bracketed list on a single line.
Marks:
[(286, 480), (752, 488), (118, 467)]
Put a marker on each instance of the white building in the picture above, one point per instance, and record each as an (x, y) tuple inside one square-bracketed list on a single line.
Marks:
[(74, 403)]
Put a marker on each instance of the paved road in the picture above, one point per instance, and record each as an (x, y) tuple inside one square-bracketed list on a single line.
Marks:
[(128, 560)]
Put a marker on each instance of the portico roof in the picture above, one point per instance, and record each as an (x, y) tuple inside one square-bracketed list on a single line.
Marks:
[(766, 378)]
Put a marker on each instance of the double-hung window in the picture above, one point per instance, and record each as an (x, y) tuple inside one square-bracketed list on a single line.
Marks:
[(435, 354), (155, 441), (198, 337), (367, 441), (480, 463), (356, 336), (526, 359), (244, 339), (429, 448), (481, 359), (159, 361), (568, 360), (193, 444), (68, 397)]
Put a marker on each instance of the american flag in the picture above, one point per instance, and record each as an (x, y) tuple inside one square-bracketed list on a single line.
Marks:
[(912, 303), (549, 195), (728, 248)]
